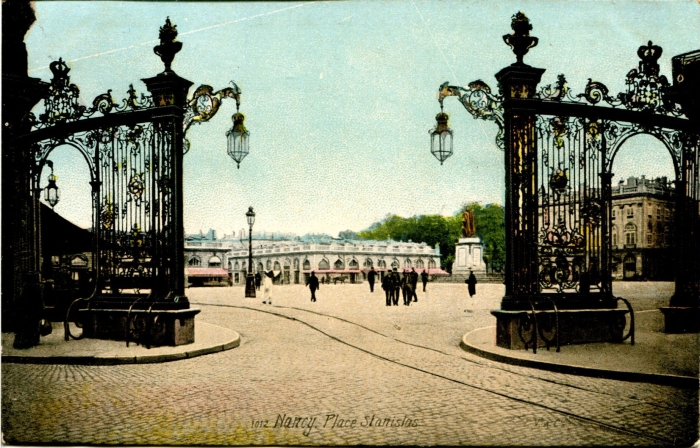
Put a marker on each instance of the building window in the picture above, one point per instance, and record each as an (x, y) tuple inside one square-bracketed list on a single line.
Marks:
[(614, 236), (324, 265), (630, 234), (407, 263), (649, 239), (368, 263), (214, 262), (268, 265), (658, 213), (419, 263), (296, 264), (395, 264), (353, 264), (381, 264), (668, 214), (260, 267), (431, 264), (236, 267), (339, 264), (613, 214), (307, 265), (630, 213), (277, 266), (194, 261)]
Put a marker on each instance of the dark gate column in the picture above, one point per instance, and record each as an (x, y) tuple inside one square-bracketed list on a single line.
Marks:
[(518, 82), (683, 314), (21, 292), (170, 91)]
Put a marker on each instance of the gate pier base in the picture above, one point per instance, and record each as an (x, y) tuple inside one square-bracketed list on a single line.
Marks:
[(149, 327), (681, 319), (515, 329)]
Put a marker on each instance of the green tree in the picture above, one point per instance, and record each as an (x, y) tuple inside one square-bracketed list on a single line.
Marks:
[(445, 231)]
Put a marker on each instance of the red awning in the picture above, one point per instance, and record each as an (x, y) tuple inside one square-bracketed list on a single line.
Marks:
[(431, 271), (333, 271), (206, 272)]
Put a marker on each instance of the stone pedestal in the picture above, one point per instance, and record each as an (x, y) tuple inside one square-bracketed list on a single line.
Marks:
[(469, 255), (513, 328), (155, 328), (681, 319)]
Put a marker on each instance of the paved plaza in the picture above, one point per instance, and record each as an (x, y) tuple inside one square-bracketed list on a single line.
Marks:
[(343, 370)]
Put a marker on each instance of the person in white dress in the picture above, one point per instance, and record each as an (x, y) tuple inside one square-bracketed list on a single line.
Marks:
[(267, 287)]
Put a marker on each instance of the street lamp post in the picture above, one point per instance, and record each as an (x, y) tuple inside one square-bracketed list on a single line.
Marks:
[(250, 279)]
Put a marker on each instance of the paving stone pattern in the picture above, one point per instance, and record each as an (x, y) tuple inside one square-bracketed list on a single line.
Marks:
[(345, 358)]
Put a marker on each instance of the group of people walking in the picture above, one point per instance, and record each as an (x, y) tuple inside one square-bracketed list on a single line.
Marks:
[(394, 284)]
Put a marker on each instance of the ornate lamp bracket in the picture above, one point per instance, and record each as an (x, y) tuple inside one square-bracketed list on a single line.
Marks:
[(479, 102), (205, 104)]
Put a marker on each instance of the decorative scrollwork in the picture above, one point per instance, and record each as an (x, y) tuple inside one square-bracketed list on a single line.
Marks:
[(62, 104), (479, 101), (596, 92), (205, 104), (557, 92)]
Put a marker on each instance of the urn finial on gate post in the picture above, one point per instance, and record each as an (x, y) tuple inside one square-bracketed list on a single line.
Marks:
[(520, 40), (168, 47)]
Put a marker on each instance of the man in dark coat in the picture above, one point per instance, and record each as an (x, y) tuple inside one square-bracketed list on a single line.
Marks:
[(396, 279), (258, 279), (406, 288), (388, 287), (313, 285), (424, 277), (471, 281), (413, 276), (370, 278)]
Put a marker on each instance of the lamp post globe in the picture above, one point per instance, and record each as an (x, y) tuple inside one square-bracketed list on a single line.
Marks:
[(237, 140), (250, 278), (441, 138)]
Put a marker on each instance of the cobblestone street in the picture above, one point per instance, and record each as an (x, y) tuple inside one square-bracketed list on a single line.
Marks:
[(343, 370)]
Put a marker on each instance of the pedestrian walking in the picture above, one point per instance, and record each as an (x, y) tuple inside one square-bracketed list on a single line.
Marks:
[(388, 287), (396, 281), (258, 280), (413, 277), (267, 288), (471, 281), (424, 278), (406, 288), (312, 283), (370, 278)]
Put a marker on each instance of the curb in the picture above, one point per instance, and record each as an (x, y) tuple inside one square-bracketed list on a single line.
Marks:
[(681, 382), (119, 360)]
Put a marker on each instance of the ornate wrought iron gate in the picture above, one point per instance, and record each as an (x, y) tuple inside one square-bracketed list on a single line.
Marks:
[(559, 150), (134, 152)]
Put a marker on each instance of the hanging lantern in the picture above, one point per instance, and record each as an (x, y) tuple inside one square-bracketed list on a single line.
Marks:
[(237, 138), (441, 138), (52, 194)]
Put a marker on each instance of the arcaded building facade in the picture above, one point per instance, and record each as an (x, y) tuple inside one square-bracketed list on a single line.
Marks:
[(292, 259)]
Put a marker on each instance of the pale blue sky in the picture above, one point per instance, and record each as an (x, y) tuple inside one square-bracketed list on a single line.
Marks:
[(340, 96)]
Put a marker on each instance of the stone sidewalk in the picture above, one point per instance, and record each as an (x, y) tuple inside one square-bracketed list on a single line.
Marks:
[(53, 349)]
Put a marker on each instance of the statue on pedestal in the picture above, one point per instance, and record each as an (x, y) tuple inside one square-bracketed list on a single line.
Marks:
[(468, 224)]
